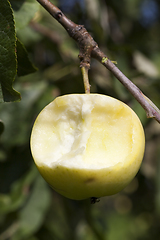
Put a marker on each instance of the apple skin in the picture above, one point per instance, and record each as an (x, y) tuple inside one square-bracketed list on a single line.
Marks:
[(80, 184), (115, 130)]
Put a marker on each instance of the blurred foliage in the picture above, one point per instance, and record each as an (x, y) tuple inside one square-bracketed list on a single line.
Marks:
[(128, 32)]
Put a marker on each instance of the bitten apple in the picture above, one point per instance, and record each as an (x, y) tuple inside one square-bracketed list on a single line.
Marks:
[(87, 145)]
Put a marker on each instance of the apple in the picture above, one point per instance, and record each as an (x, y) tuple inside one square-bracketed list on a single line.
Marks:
[(87, 145)]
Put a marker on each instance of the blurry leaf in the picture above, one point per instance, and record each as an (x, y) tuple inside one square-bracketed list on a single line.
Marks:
[(120, 90), (32, 238), (19, 193), (59, 72), (7, 54), (28, 36), (128, 227), (2, 155), (24, 64), (1, 127), (139, 111), (16, 4), (33, 214), (122, 224), (92, 8), (157, 197), (144, 65), (25, 13), (19, 124)]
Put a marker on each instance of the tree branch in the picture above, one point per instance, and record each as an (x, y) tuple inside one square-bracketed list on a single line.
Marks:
[(151, 110), (89, 48), (77, 32)]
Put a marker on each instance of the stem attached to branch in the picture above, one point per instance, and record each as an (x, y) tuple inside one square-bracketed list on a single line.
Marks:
[(89, 48)]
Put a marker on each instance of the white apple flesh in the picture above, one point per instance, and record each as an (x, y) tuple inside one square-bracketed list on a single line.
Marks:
[(87, 145)]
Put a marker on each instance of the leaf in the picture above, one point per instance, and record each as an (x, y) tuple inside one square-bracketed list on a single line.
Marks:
[(16, 4), (19, 192), (17, 117), (33, 214), (1, 127), (25, 66), (24, 12), (144, 65), (157, 197), (8, 63)]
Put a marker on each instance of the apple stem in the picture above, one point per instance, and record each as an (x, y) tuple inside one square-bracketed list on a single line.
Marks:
[(84, 71)]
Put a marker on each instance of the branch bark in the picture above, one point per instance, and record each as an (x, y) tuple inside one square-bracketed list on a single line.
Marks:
[(89, 48)]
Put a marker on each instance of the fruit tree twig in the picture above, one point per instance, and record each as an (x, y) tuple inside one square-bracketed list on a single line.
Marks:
[(89, 48), (85, 79), (151, 110)]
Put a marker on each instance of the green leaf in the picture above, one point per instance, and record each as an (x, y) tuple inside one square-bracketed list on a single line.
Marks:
[(25, 66), (17, 117), (157, 197), (33, 214), (16, 4), (24, 12), (19, 193), (8, 63), (1, 127)]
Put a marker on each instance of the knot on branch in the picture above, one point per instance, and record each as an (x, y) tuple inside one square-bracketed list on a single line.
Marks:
[(58, 15), (86, 44)]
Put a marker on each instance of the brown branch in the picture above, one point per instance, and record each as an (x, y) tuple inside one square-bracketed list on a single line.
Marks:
[(89, 48), (77, 32), (151, 110)]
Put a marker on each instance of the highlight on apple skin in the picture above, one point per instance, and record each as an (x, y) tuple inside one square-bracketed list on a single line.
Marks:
[(87, 145)]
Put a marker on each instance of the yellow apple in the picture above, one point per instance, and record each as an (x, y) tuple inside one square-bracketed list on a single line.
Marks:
[(87, 145)]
